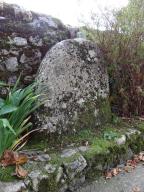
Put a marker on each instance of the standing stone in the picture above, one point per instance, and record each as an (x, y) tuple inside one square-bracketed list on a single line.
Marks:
[(74, 77)]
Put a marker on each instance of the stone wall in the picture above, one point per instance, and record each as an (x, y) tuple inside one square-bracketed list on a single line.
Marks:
[(25, 37)]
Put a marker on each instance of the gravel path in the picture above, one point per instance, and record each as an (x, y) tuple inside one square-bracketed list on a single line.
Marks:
[(124, 182)]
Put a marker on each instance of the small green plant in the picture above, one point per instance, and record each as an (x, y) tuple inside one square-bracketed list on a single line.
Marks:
[(115, 119), (15, 112), (110, 135)]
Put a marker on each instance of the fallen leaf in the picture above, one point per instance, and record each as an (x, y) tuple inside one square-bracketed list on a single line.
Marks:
[(136, 189), (128, 169), (120, 170), (8, 158), (132, 163), (21, 159), (115, 171), (140, 157), (12, 158), (108, 175), (20, 172), (143, 158), (136, 158)]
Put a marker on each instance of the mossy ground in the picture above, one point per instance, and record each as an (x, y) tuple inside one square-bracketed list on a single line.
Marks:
[(138, 124), (101, 149), (53, 143), (95, 138)]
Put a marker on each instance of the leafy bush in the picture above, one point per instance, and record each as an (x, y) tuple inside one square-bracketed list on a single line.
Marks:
[(122, 43), (15, 112)]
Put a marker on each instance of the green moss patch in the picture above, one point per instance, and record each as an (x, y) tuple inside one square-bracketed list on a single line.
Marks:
[(93, 114), (54, 142), (6, 174), (139, 125), (48, 184)]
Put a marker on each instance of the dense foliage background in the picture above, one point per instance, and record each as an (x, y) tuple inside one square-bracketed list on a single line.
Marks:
[(122, 42)]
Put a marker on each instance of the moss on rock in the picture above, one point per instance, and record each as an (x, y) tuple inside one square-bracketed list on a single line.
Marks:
[(93, 114), (48, 184)]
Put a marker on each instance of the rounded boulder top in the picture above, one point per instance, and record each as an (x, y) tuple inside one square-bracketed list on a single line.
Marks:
[(74, 77)]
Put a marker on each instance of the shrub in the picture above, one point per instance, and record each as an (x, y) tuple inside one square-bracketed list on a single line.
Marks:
[(15, 112), (122, 43)]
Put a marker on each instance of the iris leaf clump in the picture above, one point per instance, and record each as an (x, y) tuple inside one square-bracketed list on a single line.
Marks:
[(15, 112)]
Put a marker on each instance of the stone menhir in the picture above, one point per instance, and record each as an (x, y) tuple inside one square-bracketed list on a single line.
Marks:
[(74, 77)]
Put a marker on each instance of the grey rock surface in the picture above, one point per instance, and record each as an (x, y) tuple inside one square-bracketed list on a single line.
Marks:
[(36, 177), (27, 36), (74, 77), (76, 166), (68, 152), (121, 140), (132, 132), (50, 168), (17, 186), (19, 41), (125, 182), (11, 64)]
